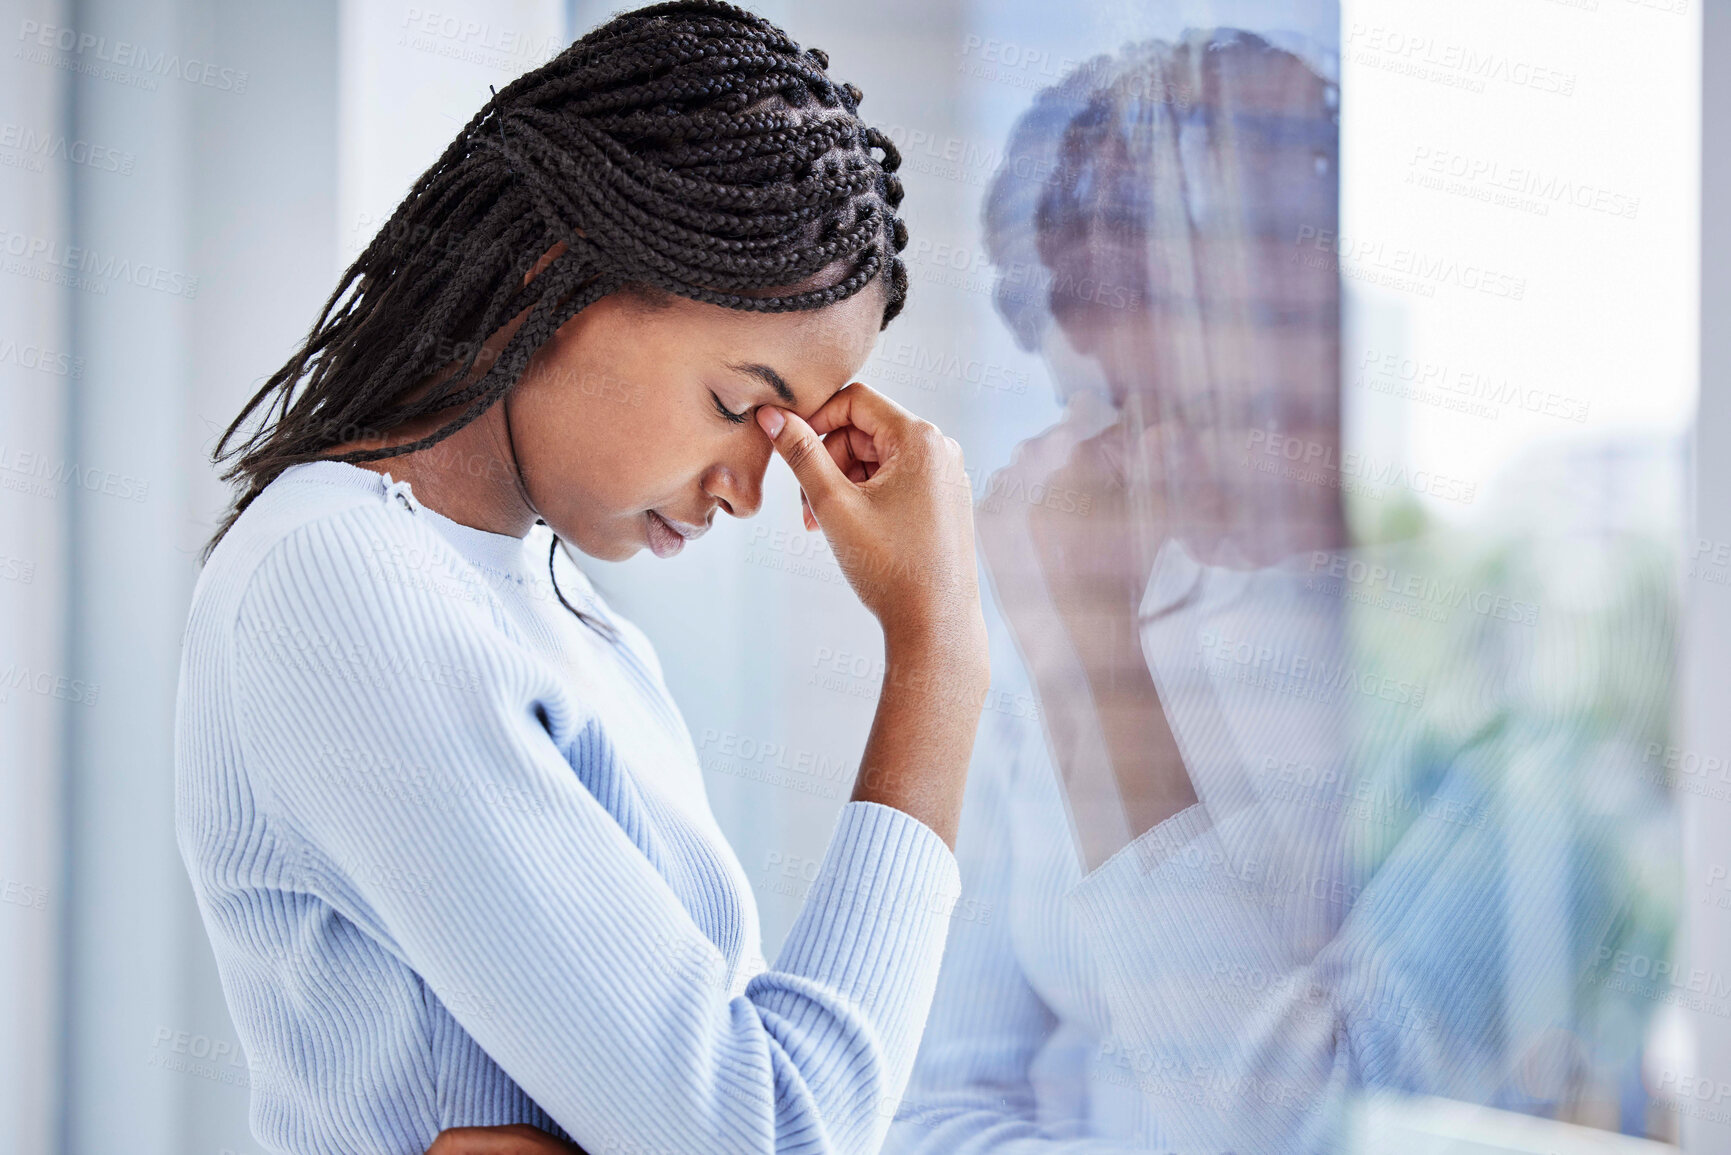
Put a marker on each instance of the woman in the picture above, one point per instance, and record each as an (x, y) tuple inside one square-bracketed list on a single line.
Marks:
[(447, 831)]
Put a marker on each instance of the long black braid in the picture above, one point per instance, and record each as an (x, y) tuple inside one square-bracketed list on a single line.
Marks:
[(689, 148)]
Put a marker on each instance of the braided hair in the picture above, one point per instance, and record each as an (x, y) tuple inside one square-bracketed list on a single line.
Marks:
[(688, 148)]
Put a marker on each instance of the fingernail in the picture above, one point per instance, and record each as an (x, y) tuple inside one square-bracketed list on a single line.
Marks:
[(771, 419)]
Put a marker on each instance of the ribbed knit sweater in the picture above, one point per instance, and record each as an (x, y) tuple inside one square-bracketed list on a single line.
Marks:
[(453, 851)]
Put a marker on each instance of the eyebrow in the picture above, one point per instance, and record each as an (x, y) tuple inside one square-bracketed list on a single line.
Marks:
[(770, 377)]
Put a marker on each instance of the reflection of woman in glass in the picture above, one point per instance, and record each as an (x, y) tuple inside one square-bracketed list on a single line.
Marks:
[(1156, 246), (446, 828), (1240, 927)]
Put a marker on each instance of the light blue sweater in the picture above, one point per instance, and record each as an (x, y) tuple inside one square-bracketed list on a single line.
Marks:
[(457, 865)]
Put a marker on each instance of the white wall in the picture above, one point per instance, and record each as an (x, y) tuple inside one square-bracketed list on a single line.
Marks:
[(34, 399), (198, 188)]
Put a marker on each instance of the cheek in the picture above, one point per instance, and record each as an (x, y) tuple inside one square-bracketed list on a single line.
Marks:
[(567, 451), (607, 449)]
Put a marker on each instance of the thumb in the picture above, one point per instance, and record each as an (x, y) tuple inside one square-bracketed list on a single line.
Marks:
[(804, 452)]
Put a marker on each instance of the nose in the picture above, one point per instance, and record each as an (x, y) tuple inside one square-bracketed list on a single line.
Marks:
[(736, 483)]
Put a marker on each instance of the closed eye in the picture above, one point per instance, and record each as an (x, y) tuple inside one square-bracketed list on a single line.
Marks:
[(730, 415)]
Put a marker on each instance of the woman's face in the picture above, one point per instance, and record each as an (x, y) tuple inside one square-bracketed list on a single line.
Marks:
[(635, 424)]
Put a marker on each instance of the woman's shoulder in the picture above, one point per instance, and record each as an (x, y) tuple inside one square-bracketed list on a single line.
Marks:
[(330, 536)]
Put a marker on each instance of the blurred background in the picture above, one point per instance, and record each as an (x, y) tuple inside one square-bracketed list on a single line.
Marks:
[(1526, 248)]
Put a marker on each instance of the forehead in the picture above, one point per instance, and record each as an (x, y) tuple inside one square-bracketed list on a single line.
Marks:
[(815, 351)]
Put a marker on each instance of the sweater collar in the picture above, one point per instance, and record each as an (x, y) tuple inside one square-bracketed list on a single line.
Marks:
[(498, 552)]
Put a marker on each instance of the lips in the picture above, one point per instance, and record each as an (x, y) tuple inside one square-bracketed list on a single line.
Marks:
[(668, 537)]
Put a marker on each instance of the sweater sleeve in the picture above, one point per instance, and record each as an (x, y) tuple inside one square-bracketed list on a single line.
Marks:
[(606, 1002)]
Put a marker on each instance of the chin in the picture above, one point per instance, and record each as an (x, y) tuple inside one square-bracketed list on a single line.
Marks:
[(611, 551), (610, 547)]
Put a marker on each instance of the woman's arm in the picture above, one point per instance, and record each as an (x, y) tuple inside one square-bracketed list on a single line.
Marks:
[(893, 499)]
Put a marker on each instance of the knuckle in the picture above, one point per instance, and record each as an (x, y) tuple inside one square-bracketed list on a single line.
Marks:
[(933, 443)]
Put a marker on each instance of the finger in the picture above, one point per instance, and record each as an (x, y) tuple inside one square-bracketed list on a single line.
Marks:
[(841, 444), (817, 473), (860, 444), (805, 514), (840, 451), (865, 408)]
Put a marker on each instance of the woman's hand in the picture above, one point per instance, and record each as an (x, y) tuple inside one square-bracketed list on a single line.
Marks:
[(891, 496), (515, 1139)]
